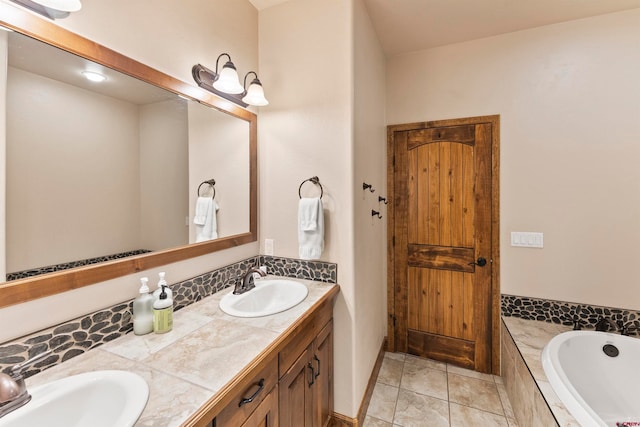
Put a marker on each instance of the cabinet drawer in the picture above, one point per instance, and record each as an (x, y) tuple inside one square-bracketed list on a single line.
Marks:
[(258, 387)]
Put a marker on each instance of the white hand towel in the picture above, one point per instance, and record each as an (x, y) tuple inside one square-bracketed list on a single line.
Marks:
[(203, 204), (208, 230), (310, 228)]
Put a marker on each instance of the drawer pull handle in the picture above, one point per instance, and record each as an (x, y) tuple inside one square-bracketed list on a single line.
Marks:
[(313, 374), (315, 356), (246, 400)]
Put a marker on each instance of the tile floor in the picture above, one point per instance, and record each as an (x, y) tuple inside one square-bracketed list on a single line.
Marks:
[(415, 392)]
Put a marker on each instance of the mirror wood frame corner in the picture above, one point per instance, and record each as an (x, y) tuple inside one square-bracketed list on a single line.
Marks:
[(23, 290)]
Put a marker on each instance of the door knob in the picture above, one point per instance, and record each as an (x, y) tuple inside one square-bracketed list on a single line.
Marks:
[(481, 262)]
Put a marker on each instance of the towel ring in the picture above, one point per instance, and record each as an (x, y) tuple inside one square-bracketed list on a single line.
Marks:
[(212, 183), (314, 180)]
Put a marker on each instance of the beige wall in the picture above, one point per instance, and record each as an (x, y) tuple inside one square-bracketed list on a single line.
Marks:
[(45, 223), (326, 118), (570, 125), (370, 244), (4, 54), (164, 171), (306, 56), (172, 39)]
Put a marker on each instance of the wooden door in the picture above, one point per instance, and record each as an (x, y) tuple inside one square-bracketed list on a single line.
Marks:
[(296, 392), (443, 297)]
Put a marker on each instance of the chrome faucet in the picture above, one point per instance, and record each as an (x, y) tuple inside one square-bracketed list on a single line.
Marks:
[(245, 282), (605, 324), (13, 391)]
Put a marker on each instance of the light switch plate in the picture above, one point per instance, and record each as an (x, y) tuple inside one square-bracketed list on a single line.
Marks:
[(527, 239)]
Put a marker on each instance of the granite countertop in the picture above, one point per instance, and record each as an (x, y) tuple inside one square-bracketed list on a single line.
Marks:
[(530, 337), (190, 364)]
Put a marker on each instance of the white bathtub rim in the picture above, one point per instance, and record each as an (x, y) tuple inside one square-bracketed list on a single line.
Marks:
[(572, 400)]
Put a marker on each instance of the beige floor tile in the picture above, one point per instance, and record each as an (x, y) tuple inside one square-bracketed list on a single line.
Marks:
[(469, 373), (391, 371), (383, 402), (419, 378), (395, 356), (464, 416), (475, 393), (374, 422), (416, 410), (425, 363)]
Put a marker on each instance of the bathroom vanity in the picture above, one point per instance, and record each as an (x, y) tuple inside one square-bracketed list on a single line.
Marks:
[(213, 369)]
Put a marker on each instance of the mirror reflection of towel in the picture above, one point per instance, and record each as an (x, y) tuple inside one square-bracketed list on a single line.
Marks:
[(205, 219), (310, 228)]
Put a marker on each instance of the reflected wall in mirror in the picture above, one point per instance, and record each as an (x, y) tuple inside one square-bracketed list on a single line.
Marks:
[(100, 171)]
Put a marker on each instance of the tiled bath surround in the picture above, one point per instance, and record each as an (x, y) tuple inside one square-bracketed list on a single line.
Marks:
[(87, 332), (564, 313)]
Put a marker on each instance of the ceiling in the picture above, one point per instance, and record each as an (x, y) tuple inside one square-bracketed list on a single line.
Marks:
[(411, 25)]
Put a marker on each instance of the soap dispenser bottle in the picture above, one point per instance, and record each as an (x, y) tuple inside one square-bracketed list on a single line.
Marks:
[(143, 310), (163, 312), (162, 282)]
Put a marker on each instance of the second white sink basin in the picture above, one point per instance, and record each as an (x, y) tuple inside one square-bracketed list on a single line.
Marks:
[(270, 296), (96, 399)]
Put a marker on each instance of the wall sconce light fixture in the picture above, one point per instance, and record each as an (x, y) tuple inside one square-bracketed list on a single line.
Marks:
[(255, 92), (227, 85), (53, 9)]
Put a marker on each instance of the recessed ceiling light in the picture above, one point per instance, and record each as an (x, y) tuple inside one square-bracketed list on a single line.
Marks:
[(93, 76)]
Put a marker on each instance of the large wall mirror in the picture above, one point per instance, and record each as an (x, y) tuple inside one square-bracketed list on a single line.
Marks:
[(104, 179)]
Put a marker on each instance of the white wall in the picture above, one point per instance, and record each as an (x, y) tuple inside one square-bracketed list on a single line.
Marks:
[(172, 39), (306, 56), (164, 170), (568, 95), (370, 244), (48, 147)]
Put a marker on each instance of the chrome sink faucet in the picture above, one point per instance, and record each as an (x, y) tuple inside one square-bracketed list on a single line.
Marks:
[(245, 282), (13, 391)]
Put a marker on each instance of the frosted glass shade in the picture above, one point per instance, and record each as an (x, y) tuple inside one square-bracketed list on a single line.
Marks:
[(227, 81), (255, 95), (63, 5)]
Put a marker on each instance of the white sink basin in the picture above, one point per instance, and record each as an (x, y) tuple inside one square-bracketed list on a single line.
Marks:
[(270, 296), (96, 399)]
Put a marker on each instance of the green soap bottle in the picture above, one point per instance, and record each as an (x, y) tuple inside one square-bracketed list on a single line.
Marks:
[(163, 313)]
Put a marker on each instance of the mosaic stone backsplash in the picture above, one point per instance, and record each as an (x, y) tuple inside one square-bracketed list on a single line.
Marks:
[(566, 313), (85, 333), (73, 264)]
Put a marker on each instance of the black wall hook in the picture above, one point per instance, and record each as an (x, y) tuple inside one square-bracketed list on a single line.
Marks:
[(382, 199), (366, 186), (376, 213)]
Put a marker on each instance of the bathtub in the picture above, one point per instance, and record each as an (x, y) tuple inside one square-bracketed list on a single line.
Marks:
[(596, 375)]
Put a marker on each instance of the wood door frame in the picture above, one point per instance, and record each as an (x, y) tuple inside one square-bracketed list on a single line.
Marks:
[(494, 120)]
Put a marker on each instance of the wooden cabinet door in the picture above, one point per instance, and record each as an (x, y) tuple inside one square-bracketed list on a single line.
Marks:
[(323, 367), (266, 414), (296, 392)]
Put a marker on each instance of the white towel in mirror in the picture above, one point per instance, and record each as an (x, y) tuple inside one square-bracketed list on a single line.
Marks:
[(205, 219)]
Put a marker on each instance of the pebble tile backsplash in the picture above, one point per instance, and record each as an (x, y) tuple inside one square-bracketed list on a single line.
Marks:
[(79, 335), (565, 313)]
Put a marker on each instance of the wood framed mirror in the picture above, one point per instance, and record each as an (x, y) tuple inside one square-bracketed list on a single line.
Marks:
[(30, 288)]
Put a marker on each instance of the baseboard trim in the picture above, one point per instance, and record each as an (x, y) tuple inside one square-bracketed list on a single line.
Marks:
[(339, 420)]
